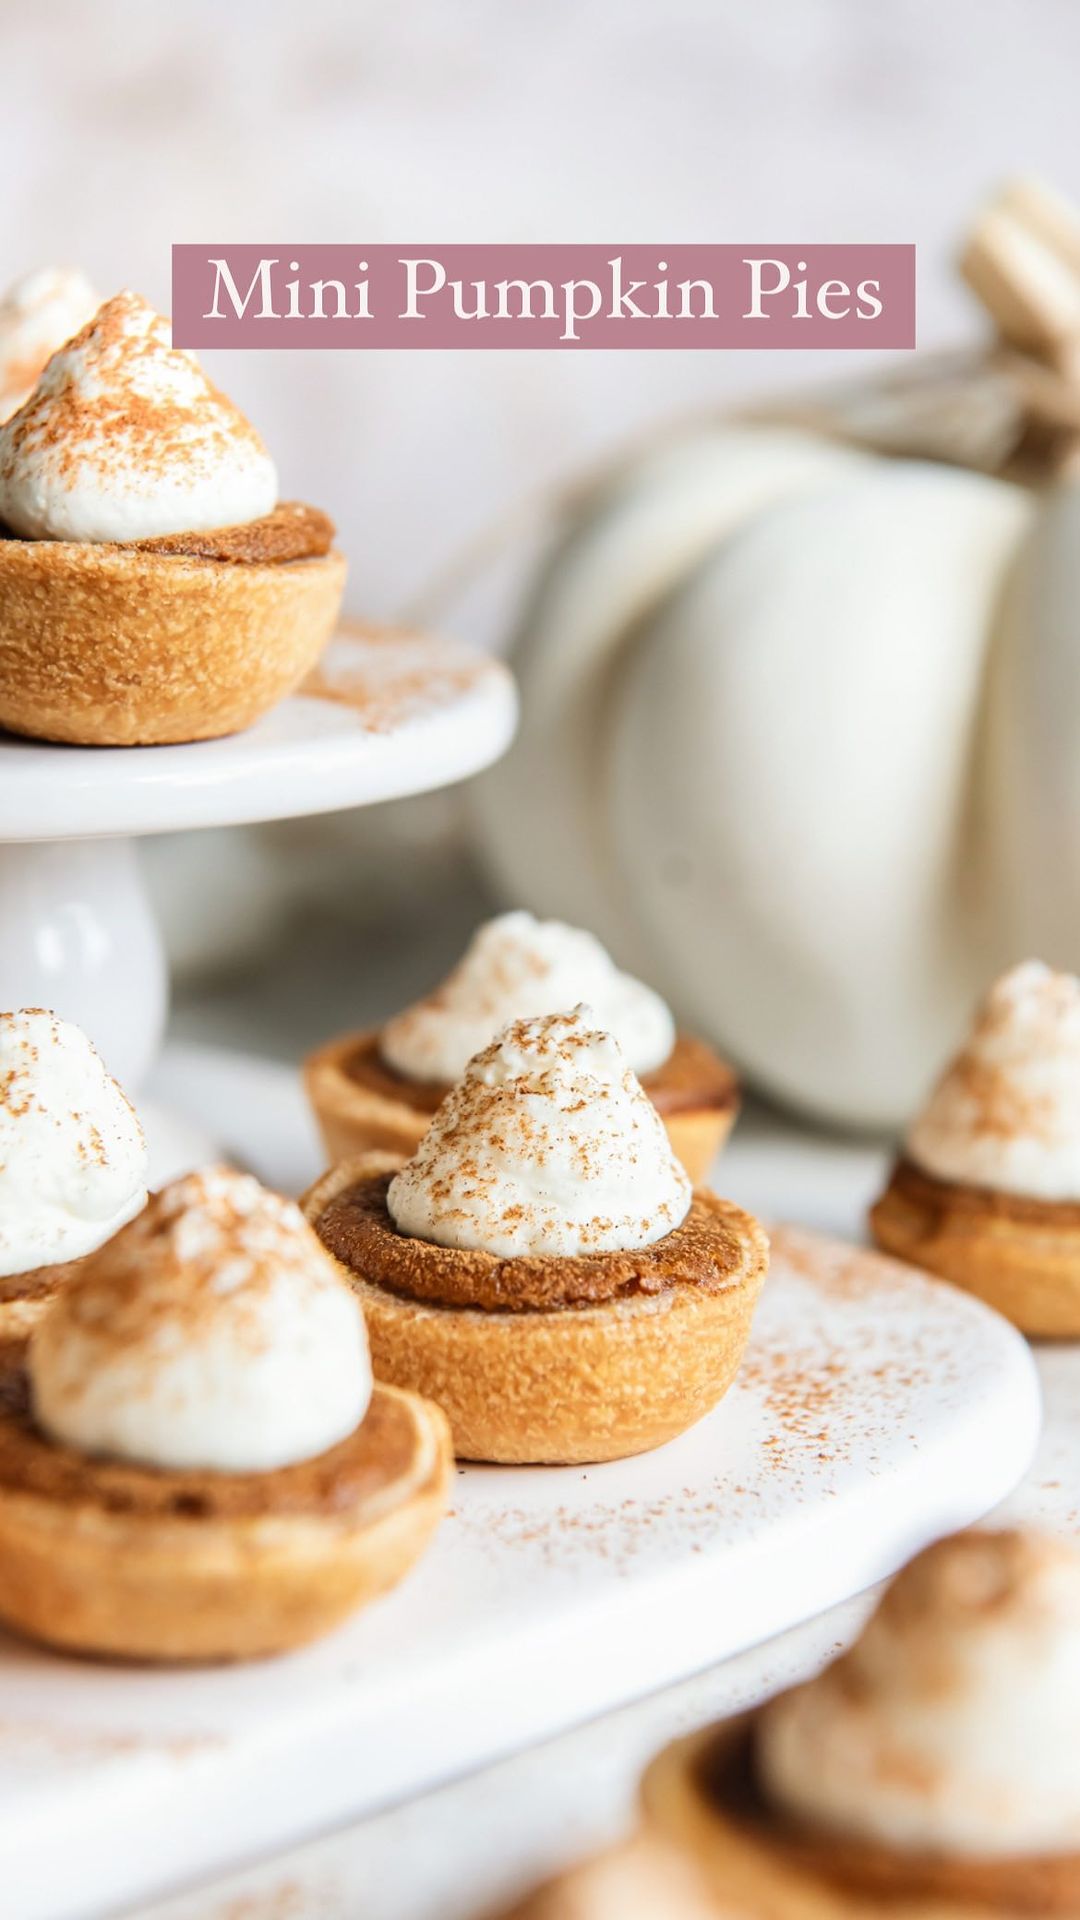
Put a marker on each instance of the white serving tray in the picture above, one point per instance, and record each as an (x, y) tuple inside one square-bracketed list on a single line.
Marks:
[(875, 1410)]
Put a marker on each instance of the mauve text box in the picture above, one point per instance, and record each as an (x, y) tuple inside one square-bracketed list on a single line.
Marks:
[(577, 296)]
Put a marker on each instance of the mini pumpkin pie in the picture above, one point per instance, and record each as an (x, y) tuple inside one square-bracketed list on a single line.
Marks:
[(931, 1770), (152, 589), (72, 1160), (541, 1266), (380, 1088), (987, 1190), (194, 1464)]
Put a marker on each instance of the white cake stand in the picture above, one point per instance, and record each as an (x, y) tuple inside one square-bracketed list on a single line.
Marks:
[(386, 714)]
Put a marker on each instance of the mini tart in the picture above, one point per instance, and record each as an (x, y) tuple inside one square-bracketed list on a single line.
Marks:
[(157, 641), (1020, 1255), (100, 1556), (549, 1360), (701, 1794), (361, 1103)]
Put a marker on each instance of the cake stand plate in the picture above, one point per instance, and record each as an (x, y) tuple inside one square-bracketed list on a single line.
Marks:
[(384, 714), (876, 1409)]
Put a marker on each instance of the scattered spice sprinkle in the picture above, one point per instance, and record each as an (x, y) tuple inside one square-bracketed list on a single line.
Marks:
[(210, 1247), (395, 683), (802, 1416)]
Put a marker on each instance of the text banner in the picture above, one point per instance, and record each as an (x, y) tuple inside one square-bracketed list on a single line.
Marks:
[(544, 296)]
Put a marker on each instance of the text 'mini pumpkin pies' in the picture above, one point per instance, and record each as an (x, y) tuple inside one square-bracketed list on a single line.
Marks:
[(542, 1267), (73, 1160), (931, 1771), (380, 1088), (987, 1190), (152, 588), (194, 1464)]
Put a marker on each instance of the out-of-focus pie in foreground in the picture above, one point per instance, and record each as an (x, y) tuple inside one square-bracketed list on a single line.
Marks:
[(931, 1770), (194, 1463)]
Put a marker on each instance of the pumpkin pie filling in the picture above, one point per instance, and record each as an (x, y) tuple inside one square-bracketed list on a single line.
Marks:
[(39, 1284), (692, 1078), (292, 531), (343, 1480), (725, 1777), (958, 1198), (707, 1251)]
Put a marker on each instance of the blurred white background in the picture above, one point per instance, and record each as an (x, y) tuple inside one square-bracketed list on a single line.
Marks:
[(128, 126)]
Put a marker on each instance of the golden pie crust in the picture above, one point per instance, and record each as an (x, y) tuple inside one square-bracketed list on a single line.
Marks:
[(362, 1104), (104, 1557), (155, 642), (700, 1794), (1020, 1255), (627, 1352)]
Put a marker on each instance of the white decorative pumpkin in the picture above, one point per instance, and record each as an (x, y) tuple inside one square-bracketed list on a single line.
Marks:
[(801, 741)]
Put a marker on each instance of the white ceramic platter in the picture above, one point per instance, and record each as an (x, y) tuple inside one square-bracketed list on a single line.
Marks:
[(875, 1410), (385, 714)]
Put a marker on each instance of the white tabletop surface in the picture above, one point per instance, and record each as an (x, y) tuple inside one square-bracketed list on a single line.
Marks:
[(452, 1852)]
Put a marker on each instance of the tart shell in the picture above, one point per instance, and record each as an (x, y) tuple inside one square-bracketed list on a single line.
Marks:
[(109, 645), (757, 1862), (697, 1136), (355, 1118), (566, 1385), (92, 1576), (1022, 1256)]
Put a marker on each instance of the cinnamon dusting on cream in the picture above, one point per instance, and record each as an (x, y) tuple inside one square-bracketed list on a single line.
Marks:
[(213, 1331), (548, 1145), (72, 1153), (125, 438), (78, 426), (517, 967), (1006, 1112)]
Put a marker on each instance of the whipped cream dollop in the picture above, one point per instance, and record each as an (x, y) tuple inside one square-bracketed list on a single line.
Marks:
[(516, 968), (548, 1145), (125, 438), (1006, 1111), (951, 1725), (37, 315), (72, 1154), (212, 1332)]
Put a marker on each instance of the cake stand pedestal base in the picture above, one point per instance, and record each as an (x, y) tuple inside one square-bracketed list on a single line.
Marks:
[(78, 934)]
